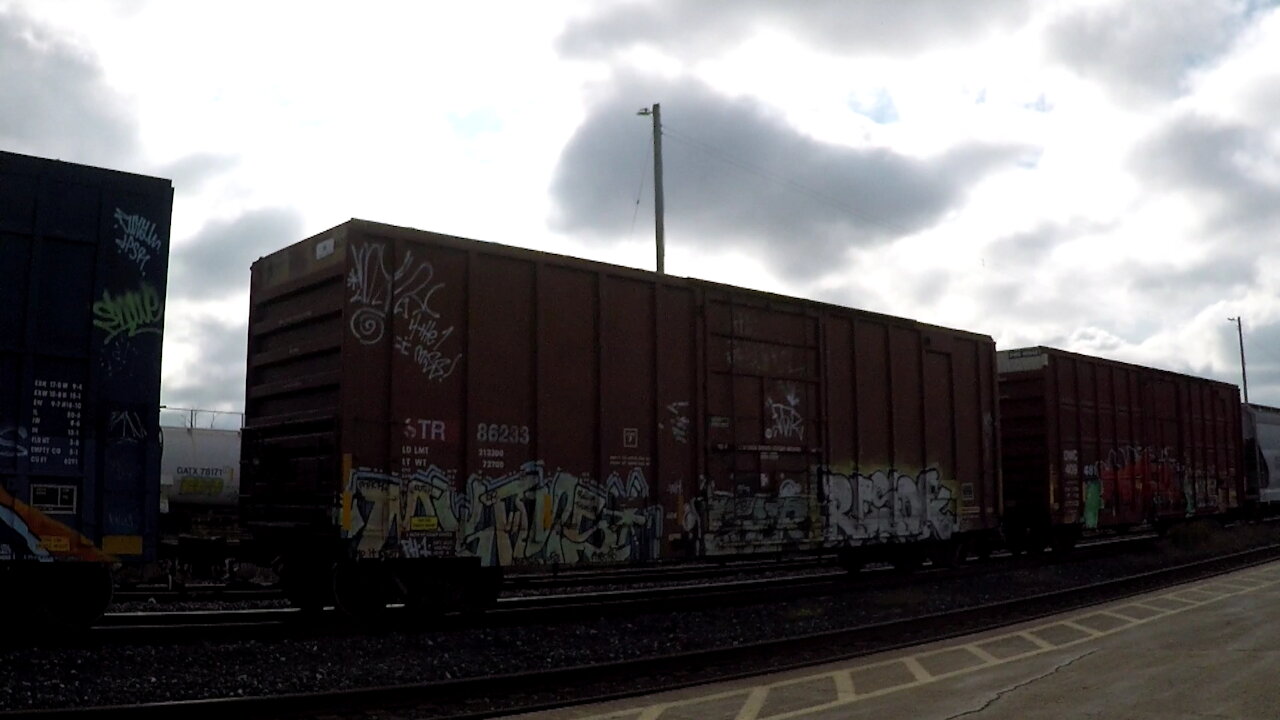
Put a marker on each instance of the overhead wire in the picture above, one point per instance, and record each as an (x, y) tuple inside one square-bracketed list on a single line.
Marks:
[(644, 173)]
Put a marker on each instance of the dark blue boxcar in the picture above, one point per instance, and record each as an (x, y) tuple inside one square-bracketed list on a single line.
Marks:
[(83, 261)]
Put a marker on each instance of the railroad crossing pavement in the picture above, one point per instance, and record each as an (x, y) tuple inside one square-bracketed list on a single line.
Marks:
[(1205, 650)]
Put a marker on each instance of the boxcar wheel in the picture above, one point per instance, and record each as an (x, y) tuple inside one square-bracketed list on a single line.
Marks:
[(907, 559), (947, 553), (850, 560), (1064, 540), (72, 596), (360, 590), (308, 587)]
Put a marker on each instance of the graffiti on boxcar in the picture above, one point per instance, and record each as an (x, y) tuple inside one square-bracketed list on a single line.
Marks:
[(525, 517), (16, 538), (888, 505), (13, 442), (136, 238), (424, 343), (370, 286), (785, 420), (28, 534), (131, 313), (126, 425), (380, 294), (750, 521), (678, 419), (1112, 483)]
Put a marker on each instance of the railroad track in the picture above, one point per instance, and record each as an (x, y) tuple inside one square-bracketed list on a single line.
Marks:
[(478, 697), (868, 590), (189, 626), (554, 580), (551, 606), (178, 626), (564, 580)]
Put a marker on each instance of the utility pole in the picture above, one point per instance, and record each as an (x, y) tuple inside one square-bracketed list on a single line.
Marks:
[(1244, 377), (656, 112)]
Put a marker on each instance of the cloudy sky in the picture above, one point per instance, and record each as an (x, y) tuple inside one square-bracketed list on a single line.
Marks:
[(1098, 176)]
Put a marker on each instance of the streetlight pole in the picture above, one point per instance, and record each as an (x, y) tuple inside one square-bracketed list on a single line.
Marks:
[(1244, 377), (656, 112)]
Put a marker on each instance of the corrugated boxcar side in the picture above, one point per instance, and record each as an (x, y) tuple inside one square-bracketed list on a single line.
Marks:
[(512, 406), (289, 446), (911, 430), (1100, 444), (83, 266), (483, 401)]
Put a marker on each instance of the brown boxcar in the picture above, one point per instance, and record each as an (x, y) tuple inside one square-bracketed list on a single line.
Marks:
[(1091, 444), (418, 396)]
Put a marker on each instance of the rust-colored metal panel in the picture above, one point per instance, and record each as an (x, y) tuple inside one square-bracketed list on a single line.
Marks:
[(761, 485), (912, 459), (679, 436), (417, 395), (1098, 443)]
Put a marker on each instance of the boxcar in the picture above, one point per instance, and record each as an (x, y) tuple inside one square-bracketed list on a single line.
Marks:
[(1092, 444), (1262, 454), (83, 264), (427, 408)]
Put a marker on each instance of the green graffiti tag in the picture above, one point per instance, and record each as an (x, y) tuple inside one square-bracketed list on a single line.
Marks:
[(132, 312)]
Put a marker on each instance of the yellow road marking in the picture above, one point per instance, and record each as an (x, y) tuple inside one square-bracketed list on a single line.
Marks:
[(917, 669), (982, 654), (844, 685), (755, 701), (1082, 628), (848, 692)]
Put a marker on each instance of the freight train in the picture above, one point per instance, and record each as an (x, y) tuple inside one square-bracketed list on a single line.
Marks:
[(425, 412)]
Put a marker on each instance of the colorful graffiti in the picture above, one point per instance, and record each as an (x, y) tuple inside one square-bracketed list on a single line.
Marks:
[(526, 517), (1111, 485), (28, 534), (888, 505)]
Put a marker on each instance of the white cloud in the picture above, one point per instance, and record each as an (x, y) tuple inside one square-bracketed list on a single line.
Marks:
[(1087, 173)]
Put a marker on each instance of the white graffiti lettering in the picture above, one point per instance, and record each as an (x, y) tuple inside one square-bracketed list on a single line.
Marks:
[(679, 420), (137, 239), (888, 505), (126, 425), (378, 294), (786, 422)]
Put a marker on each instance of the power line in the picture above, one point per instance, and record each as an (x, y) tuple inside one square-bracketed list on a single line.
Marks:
[(644, 174)]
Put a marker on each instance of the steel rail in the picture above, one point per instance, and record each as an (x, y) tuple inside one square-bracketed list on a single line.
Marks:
[(486, 696)]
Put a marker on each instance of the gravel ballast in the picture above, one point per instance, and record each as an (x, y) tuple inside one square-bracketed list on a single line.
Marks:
[(50, 677)]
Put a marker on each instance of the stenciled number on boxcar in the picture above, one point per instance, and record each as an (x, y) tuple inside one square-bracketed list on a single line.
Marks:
[(499, 433)]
